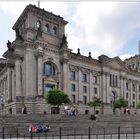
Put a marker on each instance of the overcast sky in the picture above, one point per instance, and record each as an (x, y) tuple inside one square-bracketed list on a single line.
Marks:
[(110, 28)]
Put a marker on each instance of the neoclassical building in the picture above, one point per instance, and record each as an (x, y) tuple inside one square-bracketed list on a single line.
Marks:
[(39, 59)]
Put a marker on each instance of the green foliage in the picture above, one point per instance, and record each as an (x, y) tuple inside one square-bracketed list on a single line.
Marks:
[(138, 105), (96, 102), (57, 97), (120, 103)]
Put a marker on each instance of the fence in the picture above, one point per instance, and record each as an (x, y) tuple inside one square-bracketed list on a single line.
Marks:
[(74, 133)]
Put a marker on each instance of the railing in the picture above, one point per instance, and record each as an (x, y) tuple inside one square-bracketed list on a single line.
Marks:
[(74, 133)]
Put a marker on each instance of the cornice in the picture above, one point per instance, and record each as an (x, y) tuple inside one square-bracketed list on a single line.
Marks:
[(41, 13), (83, 58)]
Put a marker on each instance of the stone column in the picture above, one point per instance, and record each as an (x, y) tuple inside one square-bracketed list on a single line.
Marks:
[(65, 76), (122, 85), (131, 93), (90, 87), (107, 88), (103, 87), (18, 77), (9, 84), (30, 65), (80, 92), (39, 74)]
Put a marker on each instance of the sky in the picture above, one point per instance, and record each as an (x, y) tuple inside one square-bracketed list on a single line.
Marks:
[(102, 27)]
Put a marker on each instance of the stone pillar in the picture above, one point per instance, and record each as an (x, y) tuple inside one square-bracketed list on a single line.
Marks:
[(65, 76), (80, 92), (90, 87), (30, 65), (18, 77), (131, 93), (107, 88), (9, 84), (39, 74), (13, 84), (122, 86), (103, 87)]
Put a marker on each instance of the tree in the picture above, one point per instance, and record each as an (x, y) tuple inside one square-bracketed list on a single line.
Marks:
[(57, 97), (138, 105), (96, 102), (120, 103)]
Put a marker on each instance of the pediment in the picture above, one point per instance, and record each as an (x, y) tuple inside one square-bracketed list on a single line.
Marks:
[(116, 63)]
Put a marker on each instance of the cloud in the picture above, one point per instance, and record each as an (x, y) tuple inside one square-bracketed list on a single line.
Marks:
[(104, 27), (99, 27)]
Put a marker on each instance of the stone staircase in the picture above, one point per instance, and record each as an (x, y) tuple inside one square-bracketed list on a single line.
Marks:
[(80, 123)]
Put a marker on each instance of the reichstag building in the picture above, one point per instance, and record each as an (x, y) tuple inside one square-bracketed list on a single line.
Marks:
[(39, 59)]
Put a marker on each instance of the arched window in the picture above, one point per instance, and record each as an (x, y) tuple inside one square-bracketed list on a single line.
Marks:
[(47, 28), (38, 24), (49, 69), (54, 30)]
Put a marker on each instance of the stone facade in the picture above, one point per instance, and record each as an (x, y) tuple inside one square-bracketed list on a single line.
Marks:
[(39, 59)]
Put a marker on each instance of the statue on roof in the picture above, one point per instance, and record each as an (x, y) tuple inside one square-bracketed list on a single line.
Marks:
[(64, 41), (9, 46)]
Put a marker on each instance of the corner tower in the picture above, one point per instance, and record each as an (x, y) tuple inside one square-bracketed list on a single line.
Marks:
[(35, 23), (38, 47)]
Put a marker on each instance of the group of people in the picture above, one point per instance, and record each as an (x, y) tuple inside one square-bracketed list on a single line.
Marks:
[(71, 111), (35, 128), (126, 111)]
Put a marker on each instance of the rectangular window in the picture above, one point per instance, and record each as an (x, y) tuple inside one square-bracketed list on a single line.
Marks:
[(95, 90), (116, 81), (138, 64), (133, 96), (73, 75), (139, 88), (113, 80), (134, 88), (84, 77), (73, 99), (84, 100), (139, 97), (84, 89), (73, 87), (127, 86), (126, 94), (133, 104)]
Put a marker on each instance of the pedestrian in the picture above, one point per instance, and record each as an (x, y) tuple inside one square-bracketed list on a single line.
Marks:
[(24, 109), (124, 110)]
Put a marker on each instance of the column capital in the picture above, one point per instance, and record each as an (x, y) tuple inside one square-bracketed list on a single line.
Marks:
[(39, 54)]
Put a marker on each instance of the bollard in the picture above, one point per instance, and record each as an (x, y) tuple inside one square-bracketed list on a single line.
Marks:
[(31, 133), (89, 133), (3, 135), (104, 133), (74, 133), (133, 132), (119, 132), (17, 133), (60, 129)]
